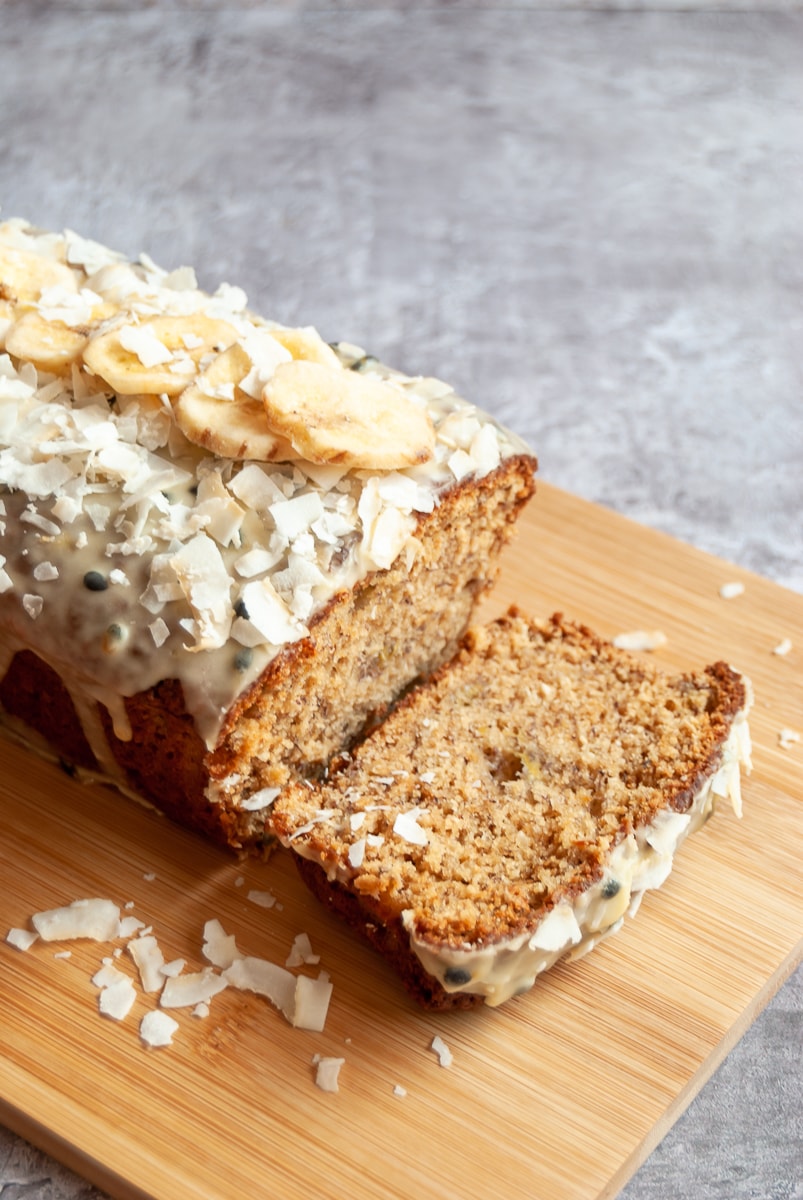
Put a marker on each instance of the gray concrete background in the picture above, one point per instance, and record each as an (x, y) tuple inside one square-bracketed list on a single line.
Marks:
[(588, 220)]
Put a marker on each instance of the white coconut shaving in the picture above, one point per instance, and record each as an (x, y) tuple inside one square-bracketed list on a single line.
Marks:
[(640, 639), (406, 826), (442, 1050), (311, 1002), (157, 1029), (22, 939), (327, 1072), (266, 979), (97, 920), (185, 991), (149, 961), (729, 591), (301, 952), (117, 999), (219, 948)]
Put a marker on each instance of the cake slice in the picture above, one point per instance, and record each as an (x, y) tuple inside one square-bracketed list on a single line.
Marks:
[(511, 811), (225, 543)]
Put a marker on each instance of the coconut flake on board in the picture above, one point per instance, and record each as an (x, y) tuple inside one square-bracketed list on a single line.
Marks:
[(327, 1072)]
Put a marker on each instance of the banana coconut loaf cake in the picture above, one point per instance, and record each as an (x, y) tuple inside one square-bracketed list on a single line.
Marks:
[(225, 544), (513, 809)]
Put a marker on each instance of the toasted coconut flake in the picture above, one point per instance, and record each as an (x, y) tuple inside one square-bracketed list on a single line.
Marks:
[(97, 920), (157, 1029)]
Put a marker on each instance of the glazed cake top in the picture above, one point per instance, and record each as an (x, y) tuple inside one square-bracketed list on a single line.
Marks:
[(185, 484)]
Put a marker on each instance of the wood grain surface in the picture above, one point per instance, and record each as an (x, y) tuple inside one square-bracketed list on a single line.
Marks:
[(558, 1094)]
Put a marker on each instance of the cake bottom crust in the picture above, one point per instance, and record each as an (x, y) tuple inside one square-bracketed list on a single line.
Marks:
[(390, 939)]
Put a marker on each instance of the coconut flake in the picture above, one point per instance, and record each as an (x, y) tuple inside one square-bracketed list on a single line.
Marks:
[(22, 939), (783, 648), (157, 1029), (261, 899), (206, 584), (185, 991), (311, 1006), (266, 979), (268, 615), (640, 639), (729, 591), (356, 854), (219, 947), (557, 930), (117, 999), (259, 800), (327, 1072), (301, 952), (129, 926), (149, 961), (141, 341), (173, 968), (406, 826), (787, 738), (294, 517), (97, 920), (443, 1052)]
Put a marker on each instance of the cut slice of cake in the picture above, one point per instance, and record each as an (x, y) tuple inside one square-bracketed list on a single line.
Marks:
[(511, 811)]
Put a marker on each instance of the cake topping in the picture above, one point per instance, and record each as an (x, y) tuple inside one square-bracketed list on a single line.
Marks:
[(213, 478)]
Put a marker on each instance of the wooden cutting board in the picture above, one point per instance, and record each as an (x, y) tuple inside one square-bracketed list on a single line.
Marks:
[(559, 1094)]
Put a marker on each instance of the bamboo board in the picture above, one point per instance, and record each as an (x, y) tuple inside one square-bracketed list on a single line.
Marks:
[(559, 1094)]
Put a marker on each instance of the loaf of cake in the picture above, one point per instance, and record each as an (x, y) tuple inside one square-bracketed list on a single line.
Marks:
[(226, 545), (513, 809)]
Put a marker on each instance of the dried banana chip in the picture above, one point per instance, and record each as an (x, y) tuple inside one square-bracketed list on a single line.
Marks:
[(307, 344), (52, 345), (217, 414), (336, 416), (156, 355), (24, 275), (230, 429)]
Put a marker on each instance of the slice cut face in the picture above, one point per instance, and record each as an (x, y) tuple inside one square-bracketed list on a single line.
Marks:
[(332, 415), (513, 809)]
